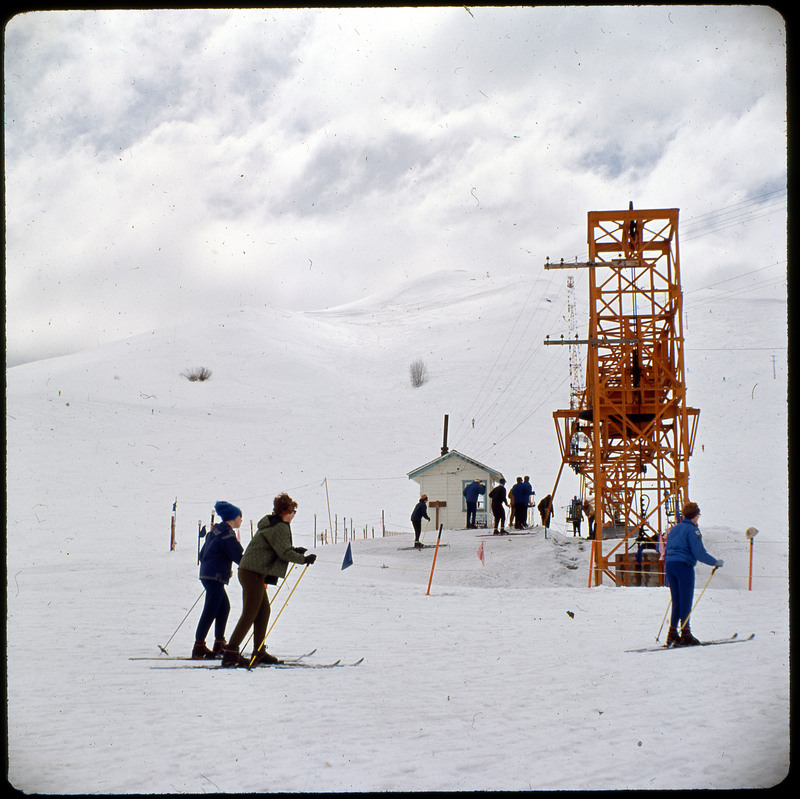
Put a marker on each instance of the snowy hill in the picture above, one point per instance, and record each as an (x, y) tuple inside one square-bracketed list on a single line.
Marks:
[(299, 397), (468, 688)]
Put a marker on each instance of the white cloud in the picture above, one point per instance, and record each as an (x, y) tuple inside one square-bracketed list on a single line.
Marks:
[(164, 163)]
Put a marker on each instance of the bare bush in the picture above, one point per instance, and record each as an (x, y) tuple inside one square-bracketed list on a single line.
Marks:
[(198, 374), (419, 373)]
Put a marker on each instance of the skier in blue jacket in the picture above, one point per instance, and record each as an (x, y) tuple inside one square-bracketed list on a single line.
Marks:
[(419, 513), (684, 549), (220, 551), (521, 496), (471, 493)]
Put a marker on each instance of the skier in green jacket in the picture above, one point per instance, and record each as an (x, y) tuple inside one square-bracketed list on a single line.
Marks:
[(266, 558)]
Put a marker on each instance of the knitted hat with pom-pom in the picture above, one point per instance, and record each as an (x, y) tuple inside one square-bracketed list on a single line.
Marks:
[(226, 511)]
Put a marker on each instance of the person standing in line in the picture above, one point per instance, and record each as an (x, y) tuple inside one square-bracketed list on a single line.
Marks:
[(471, 493), (575, 516), (546, 511), (684, 549), (520, 496), (531, 493), (588, 510), (419, 513), (265, 560), (220, 551), (498, 497)]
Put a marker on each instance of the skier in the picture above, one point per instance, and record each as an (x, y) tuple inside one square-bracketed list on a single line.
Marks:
[(684, 549), (265, 560), (546, 511), (220, 551), (531, 493), (419, 513), (520, 497), (588, 509), (498, 497), (471, 493), (575, 516)]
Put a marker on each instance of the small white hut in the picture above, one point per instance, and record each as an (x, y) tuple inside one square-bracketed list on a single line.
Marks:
[(444, 480)]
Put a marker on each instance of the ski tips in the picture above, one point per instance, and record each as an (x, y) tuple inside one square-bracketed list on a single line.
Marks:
[(162, 649)]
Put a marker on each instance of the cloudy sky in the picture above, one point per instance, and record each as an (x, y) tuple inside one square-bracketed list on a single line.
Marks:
[(162, 165)]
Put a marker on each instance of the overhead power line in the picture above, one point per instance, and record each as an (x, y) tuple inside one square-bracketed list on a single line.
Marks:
[(730, 215)]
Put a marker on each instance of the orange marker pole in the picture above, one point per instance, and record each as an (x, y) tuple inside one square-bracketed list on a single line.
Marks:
[(751, 533), (433, 565)]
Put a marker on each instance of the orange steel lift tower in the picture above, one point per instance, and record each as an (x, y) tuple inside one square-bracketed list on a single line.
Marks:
[(631, 433)]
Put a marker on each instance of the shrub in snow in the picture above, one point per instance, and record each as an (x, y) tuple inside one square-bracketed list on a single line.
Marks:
[(419, 373), (198, 374)]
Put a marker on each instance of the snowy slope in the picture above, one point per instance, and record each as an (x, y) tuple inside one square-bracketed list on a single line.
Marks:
[(489, 682)]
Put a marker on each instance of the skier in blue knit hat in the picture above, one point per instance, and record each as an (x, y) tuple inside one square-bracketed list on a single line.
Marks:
[(220, 551), (226, 511)]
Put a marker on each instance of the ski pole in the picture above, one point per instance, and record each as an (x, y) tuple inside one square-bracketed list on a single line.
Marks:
[(433, 565), (669, 605), (286, 602), (252, 660), (425, 531), (283, 582), (164, 648), (686, 620)]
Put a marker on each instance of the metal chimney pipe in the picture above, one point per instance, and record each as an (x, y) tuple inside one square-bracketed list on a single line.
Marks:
[(444, 437)]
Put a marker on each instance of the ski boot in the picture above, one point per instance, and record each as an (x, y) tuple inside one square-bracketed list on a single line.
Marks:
[(687, 639), (231, 658), (672, 637), (201, 651), (263, 658), (219, 645)]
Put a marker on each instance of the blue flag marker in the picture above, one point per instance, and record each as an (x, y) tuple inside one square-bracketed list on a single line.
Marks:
[(348, 558)]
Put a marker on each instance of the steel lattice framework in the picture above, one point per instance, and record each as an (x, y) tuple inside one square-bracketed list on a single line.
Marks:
[(632, 433)]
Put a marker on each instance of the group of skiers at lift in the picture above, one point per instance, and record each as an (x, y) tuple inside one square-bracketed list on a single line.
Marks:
[(517, 499)]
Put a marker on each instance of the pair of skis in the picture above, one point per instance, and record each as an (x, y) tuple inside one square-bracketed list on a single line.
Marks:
[(733, 639), (424, 546), (295, 659), (291, 664), (297, 662)]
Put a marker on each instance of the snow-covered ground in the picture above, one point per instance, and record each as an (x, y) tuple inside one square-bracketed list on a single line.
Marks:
[(511, 674)]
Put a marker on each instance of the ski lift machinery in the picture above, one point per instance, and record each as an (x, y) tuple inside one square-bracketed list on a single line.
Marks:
[(630, 433)]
